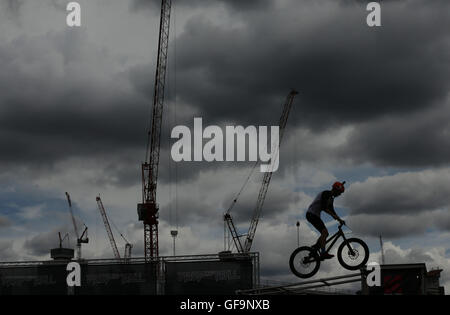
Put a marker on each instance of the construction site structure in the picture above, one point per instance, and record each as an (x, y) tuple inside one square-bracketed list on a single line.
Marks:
[(210, 274), (406, 279), (246, 247), (81, 239), (62, 253), (174, 234), (396, 279), (148, 209)]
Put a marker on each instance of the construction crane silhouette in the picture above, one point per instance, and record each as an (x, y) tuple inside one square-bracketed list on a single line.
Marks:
[(128, 246), (80, 239), (245, 248), (101, 208), (148, 209)]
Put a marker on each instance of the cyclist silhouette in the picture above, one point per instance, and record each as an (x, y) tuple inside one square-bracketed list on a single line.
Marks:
[(324, 202)]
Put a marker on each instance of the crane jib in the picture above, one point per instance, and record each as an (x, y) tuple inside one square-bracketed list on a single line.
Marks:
[(263, 190)]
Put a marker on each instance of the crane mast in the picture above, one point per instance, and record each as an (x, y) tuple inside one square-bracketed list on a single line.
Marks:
[(101, 208), (72, 216), (263, 190), (148, 209)]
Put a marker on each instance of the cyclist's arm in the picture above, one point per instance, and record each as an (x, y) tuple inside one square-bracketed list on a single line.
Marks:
[(333, 214), (327, 205)]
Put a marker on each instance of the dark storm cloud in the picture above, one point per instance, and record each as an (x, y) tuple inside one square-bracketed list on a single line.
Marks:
[(42, 243), (405, 141), (12, 6), (390, 226), (61, 95), (276, 204), (74, 111), (7, 252), (404, 204), (345, 71), (155, 5), (416, 255), (193, 209), (442, 220), (4, 222), (402, 193)]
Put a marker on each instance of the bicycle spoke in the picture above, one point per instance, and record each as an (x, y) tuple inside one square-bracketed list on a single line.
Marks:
[(304, 263), (353, 254)]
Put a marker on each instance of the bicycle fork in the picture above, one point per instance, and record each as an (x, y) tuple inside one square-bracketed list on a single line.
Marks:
[(350, 249)]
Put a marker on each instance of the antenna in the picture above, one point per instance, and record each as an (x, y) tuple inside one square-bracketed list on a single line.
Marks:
[(382, 251)]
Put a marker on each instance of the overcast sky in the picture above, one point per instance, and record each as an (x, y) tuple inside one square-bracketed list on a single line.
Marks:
[(373, 109)]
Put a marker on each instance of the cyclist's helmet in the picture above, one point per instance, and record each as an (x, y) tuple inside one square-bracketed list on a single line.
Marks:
[(338, 186)]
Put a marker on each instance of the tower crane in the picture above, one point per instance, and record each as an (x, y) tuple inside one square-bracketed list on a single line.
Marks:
[(148, 209), (245, 248), (80, 239)]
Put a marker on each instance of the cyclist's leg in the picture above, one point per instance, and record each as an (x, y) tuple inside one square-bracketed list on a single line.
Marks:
[(323, 238), (320, 227)]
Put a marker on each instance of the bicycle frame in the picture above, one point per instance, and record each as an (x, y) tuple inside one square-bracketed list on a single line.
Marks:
[(333, 239)]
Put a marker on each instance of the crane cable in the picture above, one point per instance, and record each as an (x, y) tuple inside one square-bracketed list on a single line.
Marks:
[(117, 230), (231, 244), (242, 188)]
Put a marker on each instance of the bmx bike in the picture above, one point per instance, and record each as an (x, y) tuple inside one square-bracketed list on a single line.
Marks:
[(352, 254)]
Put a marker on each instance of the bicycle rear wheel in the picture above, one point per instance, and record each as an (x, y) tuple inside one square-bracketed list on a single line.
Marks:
[(304, 262), (355, 258)]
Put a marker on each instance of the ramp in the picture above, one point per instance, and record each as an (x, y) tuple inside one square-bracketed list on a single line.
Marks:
[(305, 287)]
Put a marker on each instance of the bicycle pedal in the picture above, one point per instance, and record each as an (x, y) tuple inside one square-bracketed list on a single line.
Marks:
[(325, 258)]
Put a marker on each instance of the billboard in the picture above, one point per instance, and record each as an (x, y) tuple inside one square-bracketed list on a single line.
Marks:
[(400, 280), (208, 277)]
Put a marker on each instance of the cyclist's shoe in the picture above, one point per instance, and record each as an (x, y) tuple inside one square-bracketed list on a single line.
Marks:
[(326, 256)]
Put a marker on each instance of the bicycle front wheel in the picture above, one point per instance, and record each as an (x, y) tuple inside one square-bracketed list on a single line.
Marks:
[(304, 262), (353, 254)]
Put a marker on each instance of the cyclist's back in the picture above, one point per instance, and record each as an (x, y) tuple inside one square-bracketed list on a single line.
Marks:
[(323, 200)]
